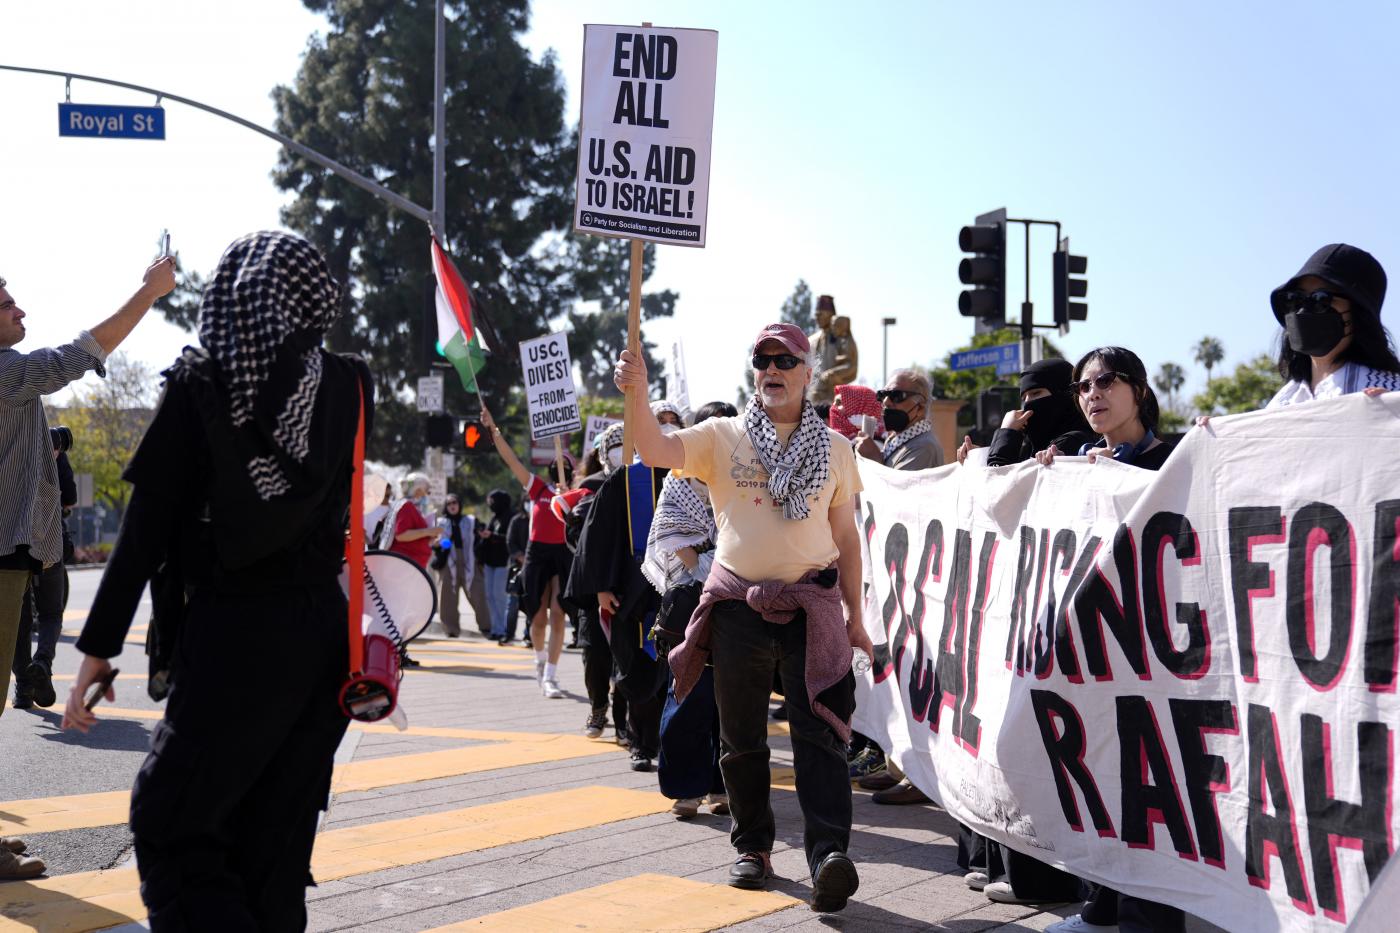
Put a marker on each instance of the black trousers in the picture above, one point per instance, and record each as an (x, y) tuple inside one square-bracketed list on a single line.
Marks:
[(224, 807), (597, 660), (1132, 914), (745, 651), (44, 603)]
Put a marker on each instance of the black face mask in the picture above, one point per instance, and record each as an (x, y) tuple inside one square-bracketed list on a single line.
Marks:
[(895, 420), (1048, 417), (1314, 333)]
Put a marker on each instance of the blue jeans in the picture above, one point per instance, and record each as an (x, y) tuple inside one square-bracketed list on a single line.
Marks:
[(494, 581)]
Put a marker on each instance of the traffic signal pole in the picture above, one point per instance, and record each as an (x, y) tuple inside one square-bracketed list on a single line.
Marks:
[(1028, 325)]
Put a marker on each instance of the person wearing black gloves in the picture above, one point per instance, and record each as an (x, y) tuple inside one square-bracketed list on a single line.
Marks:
[(242, 487)]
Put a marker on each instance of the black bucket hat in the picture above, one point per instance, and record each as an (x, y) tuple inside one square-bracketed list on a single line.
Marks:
[(1354, 272)]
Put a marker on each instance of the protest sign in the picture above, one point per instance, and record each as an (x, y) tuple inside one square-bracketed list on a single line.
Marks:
[(1180, 684), (679, 389), (549, 386), (648, 109), (596, 425)]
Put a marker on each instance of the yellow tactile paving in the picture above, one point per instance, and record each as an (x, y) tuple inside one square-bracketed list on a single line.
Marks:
[(80, 811), (95, 900), (670, 905)]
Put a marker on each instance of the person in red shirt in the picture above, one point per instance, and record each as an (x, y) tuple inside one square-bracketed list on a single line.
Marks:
[(547, 562), (412, 536)]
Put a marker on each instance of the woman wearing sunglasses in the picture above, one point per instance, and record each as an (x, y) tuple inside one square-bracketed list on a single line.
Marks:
[(1120, 406), (1333, 342)]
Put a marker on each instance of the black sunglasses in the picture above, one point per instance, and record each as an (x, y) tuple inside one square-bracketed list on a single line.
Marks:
[(896, 395), (1318, 301), (781, 360), (1101, 382)]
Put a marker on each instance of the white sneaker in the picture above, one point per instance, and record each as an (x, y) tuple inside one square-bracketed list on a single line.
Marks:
[(685, 808), (551, 690), (1077, 924), (976, 880)]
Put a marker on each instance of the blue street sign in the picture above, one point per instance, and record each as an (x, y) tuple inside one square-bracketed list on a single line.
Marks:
[(109, 121), (1006, 358)]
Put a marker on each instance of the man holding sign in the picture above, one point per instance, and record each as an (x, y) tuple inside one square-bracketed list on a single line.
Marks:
[(784, 594)]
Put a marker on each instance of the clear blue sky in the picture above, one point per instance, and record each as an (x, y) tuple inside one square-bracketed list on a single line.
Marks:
[(1195, 152)]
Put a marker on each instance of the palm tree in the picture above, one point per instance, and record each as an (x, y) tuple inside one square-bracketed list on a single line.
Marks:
[(1209, 352), (1168, 380)]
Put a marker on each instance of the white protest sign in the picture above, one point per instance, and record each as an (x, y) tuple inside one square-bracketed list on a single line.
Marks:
[(679, 388), (648, 111), (1180, 684), (549, 386), (430, 394), (597, 424)]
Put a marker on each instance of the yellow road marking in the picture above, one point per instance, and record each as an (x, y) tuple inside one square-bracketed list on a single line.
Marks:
[(94, 900), (673, 905), (82, 811)]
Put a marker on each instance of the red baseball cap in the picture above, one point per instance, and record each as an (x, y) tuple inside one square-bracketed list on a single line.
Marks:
[(789, 335)]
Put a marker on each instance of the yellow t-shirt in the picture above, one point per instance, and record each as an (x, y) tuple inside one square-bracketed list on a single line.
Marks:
[(755, 540)]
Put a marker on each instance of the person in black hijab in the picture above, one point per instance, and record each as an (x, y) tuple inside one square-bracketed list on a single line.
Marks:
[(241, 494), (1049, 414)]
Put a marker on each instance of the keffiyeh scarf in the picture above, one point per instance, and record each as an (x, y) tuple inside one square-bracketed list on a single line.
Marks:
[(905, 436), (682, 519), (799, 471), (262, 318)]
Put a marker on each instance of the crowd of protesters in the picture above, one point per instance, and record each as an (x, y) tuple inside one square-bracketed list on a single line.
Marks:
[(718, 565)]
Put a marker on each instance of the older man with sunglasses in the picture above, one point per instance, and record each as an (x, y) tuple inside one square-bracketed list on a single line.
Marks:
[(784, 594), (910, 443)]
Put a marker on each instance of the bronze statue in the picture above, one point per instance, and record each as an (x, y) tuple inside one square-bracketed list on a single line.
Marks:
[(835, 357)]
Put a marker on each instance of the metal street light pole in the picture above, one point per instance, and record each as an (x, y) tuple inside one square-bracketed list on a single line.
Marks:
[(885, 361)]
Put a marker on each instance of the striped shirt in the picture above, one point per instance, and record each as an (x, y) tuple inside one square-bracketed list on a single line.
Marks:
[(1348, 378), (30, 511)]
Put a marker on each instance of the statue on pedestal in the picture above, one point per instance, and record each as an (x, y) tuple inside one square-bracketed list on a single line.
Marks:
[(835, 357)]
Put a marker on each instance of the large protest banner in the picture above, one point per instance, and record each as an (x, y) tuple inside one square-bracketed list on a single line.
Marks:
[(549, 386), (648, 111), (1181, 684)]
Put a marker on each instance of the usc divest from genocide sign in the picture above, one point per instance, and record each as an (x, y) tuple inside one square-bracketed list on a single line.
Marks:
[(550, 394), (648, 111), (1181, 684)]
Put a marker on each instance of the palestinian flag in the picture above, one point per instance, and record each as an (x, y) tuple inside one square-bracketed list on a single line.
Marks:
[(463, 344)]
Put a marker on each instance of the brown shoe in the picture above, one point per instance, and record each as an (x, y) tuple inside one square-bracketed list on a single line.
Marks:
[(901, 793), (13, 843), (880, 780), (18, 867)]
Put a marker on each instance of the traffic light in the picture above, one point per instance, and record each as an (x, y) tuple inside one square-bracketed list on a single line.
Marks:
[(475, 438), (439, 430), (992, 406), (1067, 287), (985, 269)]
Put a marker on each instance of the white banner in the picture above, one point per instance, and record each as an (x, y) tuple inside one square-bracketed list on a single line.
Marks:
[(549, 386), (648, 111), (1181, 684), (679, 389)]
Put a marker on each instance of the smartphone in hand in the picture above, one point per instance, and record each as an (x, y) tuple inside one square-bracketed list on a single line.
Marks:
[(100, 688)]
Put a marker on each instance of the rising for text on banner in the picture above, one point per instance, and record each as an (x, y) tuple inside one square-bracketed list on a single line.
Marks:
[(1181, 684)]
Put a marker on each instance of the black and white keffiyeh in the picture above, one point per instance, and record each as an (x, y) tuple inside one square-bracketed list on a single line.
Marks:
[(799, 471), (682, 519), (262, 318), (905, 436)]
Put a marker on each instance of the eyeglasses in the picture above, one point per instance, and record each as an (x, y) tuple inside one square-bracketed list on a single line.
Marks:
[(1101, 382), (896, 395), (780, 360), (1315, 302)]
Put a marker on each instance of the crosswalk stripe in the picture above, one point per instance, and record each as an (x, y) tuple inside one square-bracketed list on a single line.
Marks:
[(95, 900), (675, 905), (84, 811)]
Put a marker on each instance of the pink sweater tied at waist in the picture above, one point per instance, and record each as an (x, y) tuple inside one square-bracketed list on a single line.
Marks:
[(828, 645)]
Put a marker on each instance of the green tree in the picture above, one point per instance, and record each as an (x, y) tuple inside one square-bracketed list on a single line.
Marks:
[(1169, 380), (601, 268), (364, 96), (1209, 352), (1248, 389), (108, 419)]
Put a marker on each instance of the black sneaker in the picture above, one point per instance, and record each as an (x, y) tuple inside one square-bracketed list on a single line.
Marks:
[(833, 883), (593, 728), (23, 698), (409, 662), (41, 684), (640, 760), (750, 871)]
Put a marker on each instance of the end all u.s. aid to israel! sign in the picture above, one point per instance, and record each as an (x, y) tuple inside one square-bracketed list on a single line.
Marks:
[(111, 121)]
